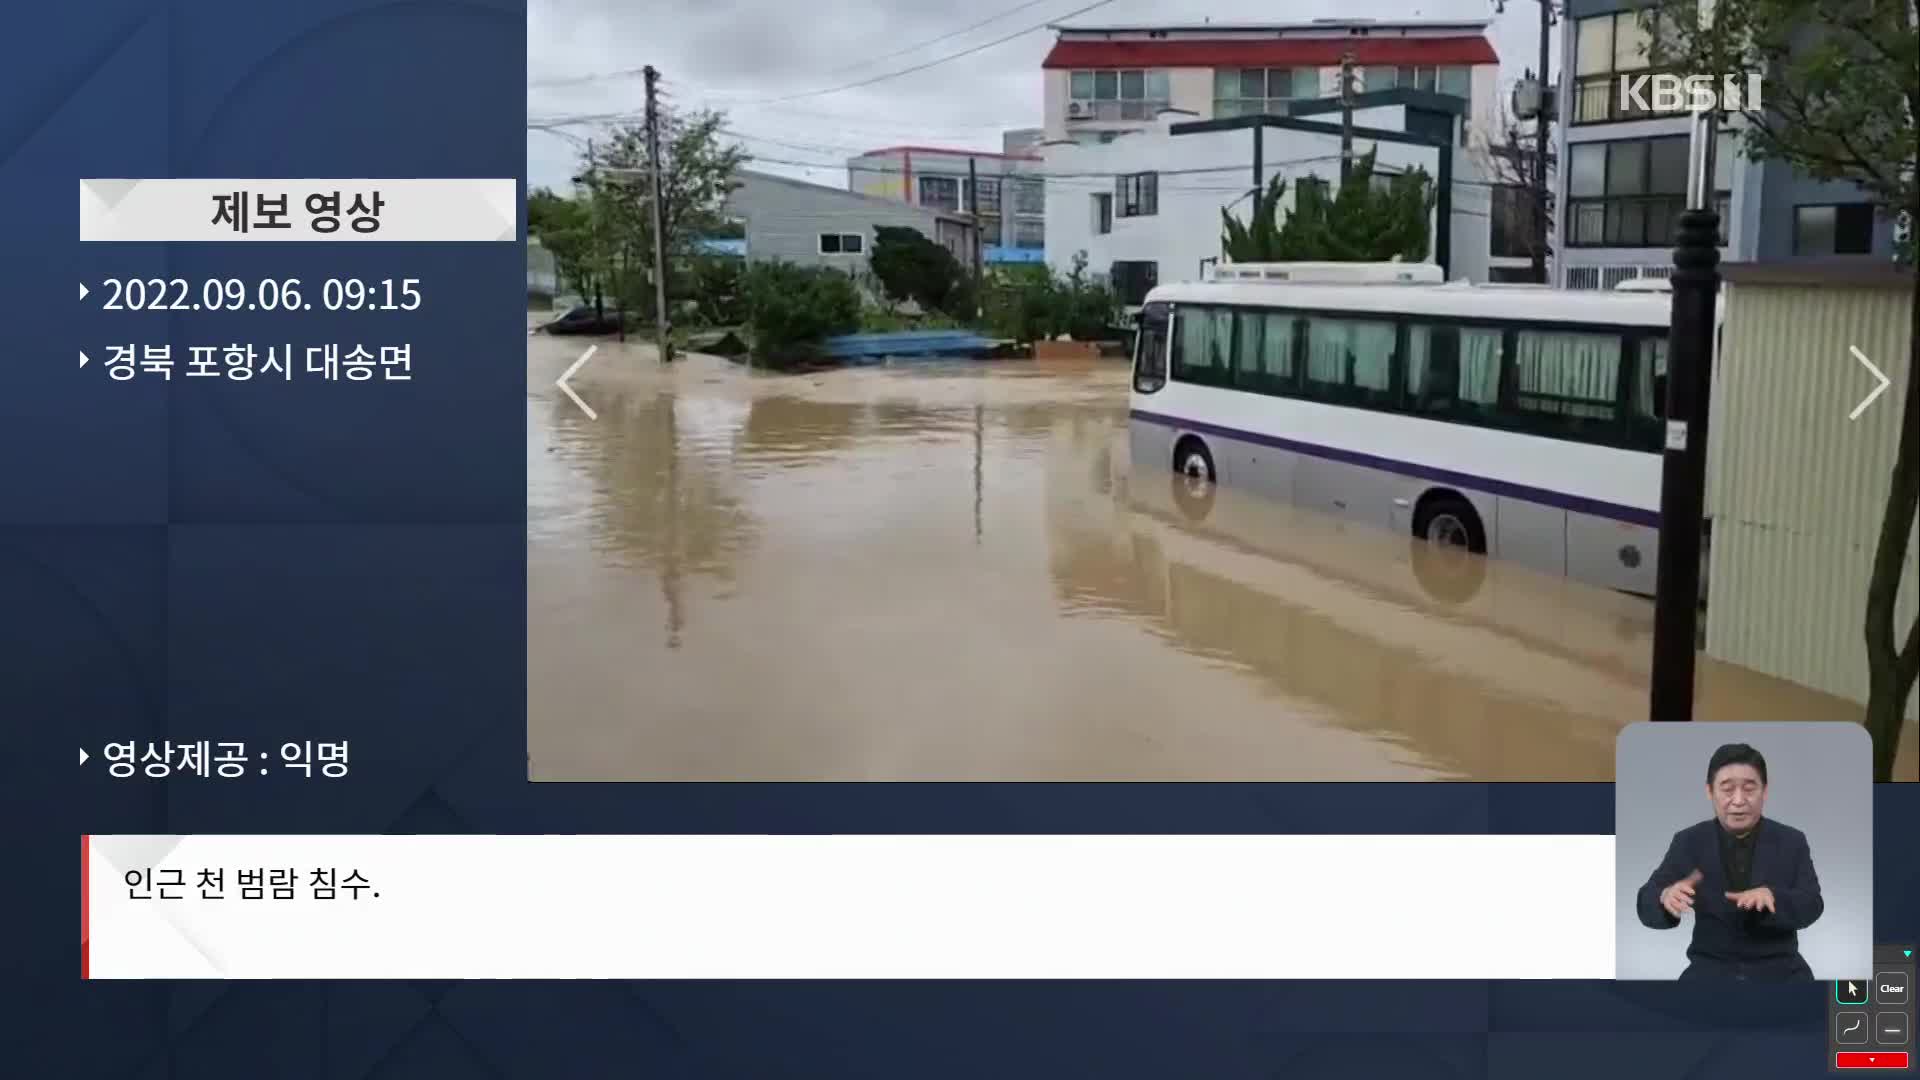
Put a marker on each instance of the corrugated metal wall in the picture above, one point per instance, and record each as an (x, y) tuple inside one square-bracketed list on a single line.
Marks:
[(1796, 490)]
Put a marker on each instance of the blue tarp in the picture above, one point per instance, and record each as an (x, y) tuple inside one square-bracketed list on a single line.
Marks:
[(917, 343), (994, 253)]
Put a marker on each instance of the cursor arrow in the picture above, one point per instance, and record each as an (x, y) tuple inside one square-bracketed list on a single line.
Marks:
[(83, 755), (1877, 391), (561, 382), (83, 290), (83, 358)]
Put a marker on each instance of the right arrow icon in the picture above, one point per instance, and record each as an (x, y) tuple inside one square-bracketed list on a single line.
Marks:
[(1877, 390)]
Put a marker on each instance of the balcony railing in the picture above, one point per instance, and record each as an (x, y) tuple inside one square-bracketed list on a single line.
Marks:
[(1597, 99), (1630, 221), (1113, 111)]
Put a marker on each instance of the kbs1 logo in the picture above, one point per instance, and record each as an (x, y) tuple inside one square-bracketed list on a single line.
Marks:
[(1669, 93)]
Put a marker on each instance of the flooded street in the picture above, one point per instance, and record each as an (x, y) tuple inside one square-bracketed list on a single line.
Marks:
[(952, 572)]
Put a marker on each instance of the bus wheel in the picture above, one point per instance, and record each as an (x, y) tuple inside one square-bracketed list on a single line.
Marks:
[(1191, 460), (1450, 521), (1193, 479), (1449, 549)]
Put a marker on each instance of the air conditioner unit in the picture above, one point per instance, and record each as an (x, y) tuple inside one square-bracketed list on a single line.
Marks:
[(1079, 110)]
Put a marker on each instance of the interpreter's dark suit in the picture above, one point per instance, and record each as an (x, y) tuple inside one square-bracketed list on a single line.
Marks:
[(1728, 943)]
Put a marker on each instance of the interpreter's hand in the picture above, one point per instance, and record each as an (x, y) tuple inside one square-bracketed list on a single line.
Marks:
[(1759, 898), (1677, 898)]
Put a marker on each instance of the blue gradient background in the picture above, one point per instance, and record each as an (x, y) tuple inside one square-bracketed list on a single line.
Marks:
[(257, 562)]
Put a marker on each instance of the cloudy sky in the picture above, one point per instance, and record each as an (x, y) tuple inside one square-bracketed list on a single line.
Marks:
[(740, 55)]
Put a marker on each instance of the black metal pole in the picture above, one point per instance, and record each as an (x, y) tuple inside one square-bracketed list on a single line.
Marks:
[(1541, 132), (1683, 474)]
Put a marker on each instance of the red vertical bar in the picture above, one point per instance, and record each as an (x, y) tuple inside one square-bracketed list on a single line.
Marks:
[(86, 870)]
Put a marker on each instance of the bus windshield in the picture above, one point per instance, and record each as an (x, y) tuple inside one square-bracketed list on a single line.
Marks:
[(1150, 349)]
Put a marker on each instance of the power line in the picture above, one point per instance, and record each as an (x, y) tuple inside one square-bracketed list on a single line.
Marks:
[(628, 73), (870, 61), (936, 61)]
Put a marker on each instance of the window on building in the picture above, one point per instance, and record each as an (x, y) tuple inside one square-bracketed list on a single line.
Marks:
[(1257, 91), (842, 243), (1137, 195), (1609, 46), (1103, 213), (1630, 192), (940, 192), (1031, 235), (1844, 229), (1029, 197), (990, 229), (987, 190), (1133, 280), (1129, 94)]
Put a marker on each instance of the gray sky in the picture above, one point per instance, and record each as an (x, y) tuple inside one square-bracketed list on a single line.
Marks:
[(735, 54)]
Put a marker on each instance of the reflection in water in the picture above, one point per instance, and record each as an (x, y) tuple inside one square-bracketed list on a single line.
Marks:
[(952, 572)]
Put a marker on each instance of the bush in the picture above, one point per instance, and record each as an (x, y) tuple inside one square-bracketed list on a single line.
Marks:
[(789, 307), (714, 285), (1027, 303), (909, 266)]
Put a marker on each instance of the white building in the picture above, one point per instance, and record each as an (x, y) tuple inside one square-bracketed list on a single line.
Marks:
[(1102, 80), (1625, 181), (1146, 206), (1010, 202)]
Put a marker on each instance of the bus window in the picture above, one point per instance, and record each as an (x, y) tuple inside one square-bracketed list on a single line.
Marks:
[(1150, 350), (1350, 360), (1203, 345), (1650, 391), (1453, 371), (1567, 384)]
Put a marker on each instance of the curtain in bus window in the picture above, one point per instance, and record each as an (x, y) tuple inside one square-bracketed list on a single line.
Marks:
[(1276, 351), (1349, 354), (1649, 380), (1571, 376), (1480, 367), (1433, 369), (1191, 332), (1204, 344), (1220, 341), (1246, 333)]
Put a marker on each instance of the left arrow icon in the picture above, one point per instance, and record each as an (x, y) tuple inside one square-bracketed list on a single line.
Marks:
[(83, 755), (561, 382)]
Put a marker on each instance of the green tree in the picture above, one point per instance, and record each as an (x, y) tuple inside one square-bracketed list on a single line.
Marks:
[(564, 227), (697, 171), (910, 266), (1841, 92), (1086, 309), (1382, 218), (791, 307), (1259, 239)]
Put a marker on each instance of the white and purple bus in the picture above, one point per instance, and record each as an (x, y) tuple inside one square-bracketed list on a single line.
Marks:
[(1518, 422)]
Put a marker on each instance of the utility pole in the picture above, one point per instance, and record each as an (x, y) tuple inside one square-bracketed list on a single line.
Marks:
[(593, 227), (1683, 470), (662, 323), (1540, 149), (973, 211), (1346, 114)]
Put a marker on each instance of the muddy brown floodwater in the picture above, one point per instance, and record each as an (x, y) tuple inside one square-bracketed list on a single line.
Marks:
[(951, 572)]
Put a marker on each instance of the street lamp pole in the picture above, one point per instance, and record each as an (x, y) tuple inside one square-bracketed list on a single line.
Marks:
[(1683, 473)]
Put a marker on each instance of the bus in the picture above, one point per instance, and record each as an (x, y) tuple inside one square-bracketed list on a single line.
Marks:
[(1516, 422)]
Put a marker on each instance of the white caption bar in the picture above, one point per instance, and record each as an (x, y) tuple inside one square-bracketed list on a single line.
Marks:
[(778, 907), (410, 210)]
